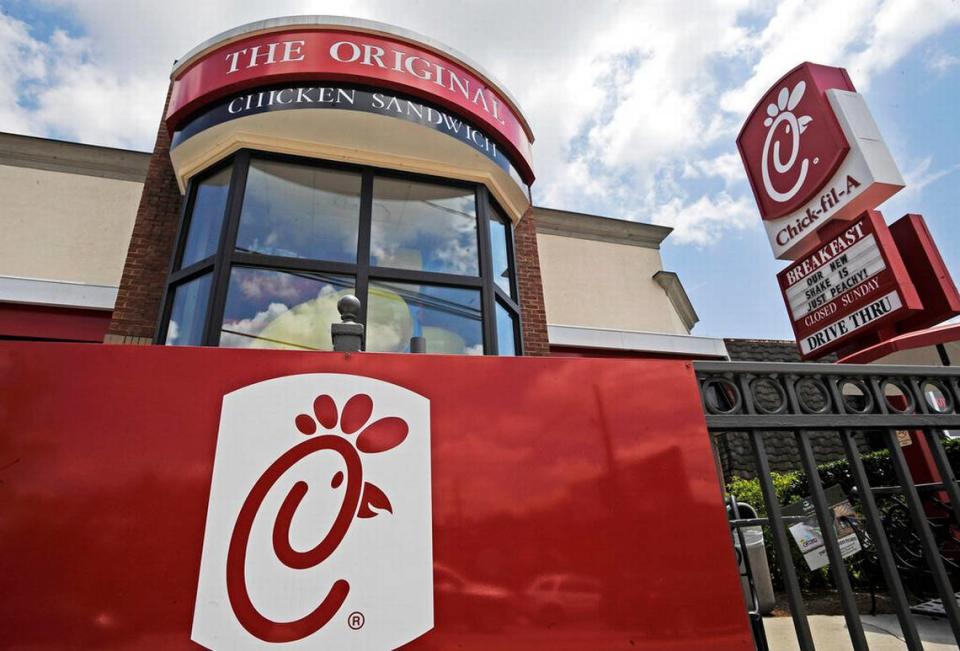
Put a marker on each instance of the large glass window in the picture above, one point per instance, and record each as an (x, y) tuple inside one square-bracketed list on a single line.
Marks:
[(206, 220), (277, 309), (187, 314), (448, 318), (506, 331), (300, 212), (426, 257), (424, 226), (500, 251)]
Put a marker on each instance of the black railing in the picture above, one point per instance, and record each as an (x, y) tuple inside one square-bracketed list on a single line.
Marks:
[(909, 531)]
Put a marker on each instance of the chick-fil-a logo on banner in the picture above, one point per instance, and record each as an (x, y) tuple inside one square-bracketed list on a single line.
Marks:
[(318, 531), (792, 142)]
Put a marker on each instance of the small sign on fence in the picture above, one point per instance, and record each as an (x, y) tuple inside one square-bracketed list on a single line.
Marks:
[(809, 537)]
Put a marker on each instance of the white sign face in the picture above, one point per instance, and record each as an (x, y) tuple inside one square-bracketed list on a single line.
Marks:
[(809, 536), (845, 273), (852, 322), (867, 177), (319, 527)]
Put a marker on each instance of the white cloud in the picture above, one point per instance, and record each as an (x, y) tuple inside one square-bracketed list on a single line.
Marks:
[(865, 36), (635, 105), (917, 176), (57, 87), (728, 167), (23, 62), (705, 221), (800, 30), (653, 155), (920, 176), (940, 62), (234, 332), (897, 28)]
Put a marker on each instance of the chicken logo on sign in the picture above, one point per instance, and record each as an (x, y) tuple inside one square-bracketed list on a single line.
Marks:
[(781, 115), (791, 144), (319, 530), (812, 154)]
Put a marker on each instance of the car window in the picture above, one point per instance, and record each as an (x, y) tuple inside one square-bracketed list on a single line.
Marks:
[(447, 579), (574, 584)]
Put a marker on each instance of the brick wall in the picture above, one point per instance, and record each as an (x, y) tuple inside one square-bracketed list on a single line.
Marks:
[(530, 286), (151, 245)]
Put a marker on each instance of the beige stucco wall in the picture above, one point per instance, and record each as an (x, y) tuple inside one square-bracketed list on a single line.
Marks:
[(60, 226), (599, 284)]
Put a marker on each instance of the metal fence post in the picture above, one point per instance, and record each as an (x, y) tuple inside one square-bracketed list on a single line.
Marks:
[(348, 335)]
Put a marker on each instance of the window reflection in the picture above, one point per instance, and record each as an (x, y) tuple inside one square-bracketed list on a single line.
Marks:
[(506, 332), (300, 211), (188, 313), (276, 309), (500, 255), (447, 317), (421, 235), (424, 227), (206, 219)]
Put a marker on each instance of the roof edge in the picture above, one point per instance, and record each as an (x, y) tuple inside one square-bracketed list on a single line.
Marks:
[(671, 284), (18, 150), (636, 340), (565, 223)]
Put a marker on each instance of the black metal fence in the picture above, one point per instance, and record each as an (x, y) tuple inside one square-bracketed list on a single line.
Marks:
[(910, 531)]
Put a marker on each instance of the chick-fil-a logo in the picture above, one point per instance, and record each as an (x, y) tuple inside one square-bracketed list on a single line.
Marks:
[(792, 143), (781, 114), (319, 517)]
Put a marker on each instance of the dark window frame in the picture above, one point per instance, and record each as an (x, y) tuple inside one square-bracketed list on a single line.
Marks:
[(510, 303), (226, 256)]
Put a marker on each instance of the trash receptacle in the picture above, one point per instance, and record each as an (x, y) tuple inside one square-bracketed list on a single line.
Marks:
[(757, 559)]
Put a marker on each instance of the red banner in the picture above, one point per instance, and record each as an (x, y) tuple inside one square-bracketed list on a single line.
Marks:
[(152, 496), (340, 55)]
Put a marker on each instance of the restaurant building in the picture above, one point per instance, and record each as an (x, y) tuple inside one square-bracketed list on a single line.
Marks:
[(238, 499), (305, 158)]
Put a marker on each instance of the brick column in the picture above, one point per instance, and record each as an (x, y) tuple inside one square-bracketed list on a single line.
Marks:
[(534, 317), (151, 245)]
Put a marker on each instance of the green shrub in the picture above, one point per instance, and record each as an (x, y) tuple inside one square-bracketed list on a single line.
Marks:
[(748, 490), (792, 487)]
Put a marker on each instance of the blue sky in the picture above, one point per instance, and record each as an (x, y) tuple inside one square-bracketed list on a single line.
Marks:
[(635, 105)]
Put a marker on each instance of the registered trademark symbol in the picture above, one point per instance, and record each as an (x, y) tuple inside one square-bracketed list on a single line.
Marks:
[(816, 160), (355, 620)]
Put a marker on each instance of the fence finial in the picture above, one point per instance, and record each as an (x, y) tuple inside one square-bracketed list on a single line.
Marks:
[(348, 335)]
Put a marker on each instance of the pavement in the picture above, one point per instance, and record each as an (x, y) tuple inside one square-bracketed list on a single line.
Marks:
[(882, 632)]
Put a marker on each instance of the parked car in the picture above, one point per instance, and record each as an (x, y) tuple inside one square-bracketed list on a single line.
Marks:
[(552, 599), (463, 603)]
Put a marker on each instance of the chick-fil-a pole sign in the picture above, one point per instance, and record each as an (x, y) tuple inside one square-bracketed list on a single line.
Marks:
[(340, 55), (813, 154), (853, 283), (159, 498)]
